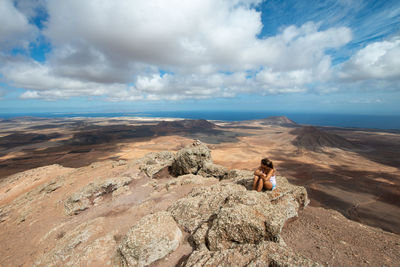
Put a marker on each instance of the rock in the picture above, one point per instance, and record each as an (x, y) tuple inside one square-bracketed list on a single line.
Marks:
[(51, 187), (118, 163), (93, 193), (185, 179), (264, 254), (155, 162), (81, 247), (284, 189), (247, 217), (198, 238), (226, 215), (237, 225), (213, 170), (243, 177), (203, 202), (190, 159), (152, 238)]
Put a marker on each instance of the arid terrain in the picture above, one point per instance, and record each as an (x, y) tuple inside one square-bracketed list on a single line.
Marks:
[(347, 172)]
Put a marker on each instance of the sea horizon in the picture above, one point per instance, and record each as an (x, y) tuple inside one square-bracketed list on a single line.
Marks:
[(382, 122)]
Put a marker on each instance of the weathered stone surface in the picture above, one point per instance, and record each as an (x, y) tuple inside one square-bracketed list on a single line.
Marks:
[(190, 159), (243, 177), (265, 253), (284, 188), (185, 179), (80, 247), (93, 193), (155, 162), (247, 217), (201, 204), (225, 215), (213, 170), (152, 238)]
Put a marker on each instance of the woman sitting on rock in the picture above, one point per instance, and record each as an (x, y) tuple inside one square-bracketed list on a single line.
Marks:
[(264, 176)]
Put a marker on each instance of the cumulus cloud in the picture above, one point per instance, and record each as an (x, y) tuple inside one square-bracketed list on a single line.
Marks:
[(15, 30), (378, 60), (130, 50)]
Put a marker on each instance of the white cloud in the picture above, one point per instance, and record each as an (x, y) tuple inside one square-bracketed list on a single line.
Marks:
[(15, 30), (209, 48), (378, 60)]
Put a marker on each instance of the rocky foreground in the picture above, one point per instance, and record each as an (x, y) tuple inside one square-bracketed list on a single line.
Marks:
[(162, 210)]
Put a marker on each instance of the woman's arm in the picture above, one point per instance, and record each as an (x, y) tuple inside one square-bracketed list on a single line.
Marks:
[(258, 172), (269, 174)]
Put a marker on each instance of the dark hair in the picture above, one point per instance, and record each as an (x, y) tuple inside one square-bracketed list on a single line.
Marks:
[(267, 162)]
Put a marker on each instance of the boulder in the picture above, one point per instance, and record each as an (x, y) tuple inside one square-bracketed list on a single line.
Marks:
[(203, 202), (93, 193), (155, 162), (265, 253), (152, 238), (225, 215), (190, 159), (213, 170)]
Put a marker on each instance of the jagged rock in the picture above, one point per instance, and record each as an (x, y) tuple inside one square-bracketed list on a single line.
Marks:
[(213, 170), (243, 177), (92, 193), (263, 254), (285, 189), (201, 204), (155, 162), (226, 215), (152, 238), (190, 159), (237, 225), (248, 217), (80, 247), (198, 238)]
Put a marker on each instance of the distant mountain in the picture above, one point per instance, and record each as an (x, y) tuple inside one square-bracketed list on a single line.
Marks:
[(277, 120), (314, 139), (187, 124)]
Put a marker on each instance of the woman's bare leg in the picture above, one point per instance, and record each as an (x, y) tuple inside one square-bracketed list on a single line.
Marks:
[(256, 178), (268, 185), (260, 184)]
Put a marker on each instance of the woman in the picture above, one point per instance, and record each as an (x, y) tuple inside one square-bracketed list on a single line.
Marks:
[(264, 176)]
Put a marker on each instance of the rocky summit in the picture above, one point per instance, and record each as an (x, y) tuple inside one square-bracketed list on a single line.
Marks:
[(164, 209)]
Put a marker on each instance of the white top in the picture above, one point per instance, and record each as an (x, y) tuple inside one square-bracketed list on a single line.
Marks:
[(272, 179)]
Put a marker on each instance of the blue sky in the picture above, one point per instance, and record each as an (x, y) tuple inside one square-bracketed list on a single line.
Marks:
[(120, 56)]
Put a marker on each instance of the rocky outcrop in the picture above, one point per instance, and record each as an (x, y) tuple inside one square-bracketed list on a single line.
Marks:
[(93, 193), (196, 159), (233, 215), (152, 238), (213, 170), (184, 180), (265, 253), (155, 162), (191, 159), (227, 223)]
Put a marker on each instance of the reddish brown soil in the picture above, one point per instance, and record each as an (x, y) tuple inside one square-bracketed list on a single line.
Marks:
[(329, 238)]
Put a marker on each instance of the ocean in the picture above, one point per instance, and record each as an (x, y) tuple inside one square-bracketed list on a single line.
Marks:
[(388, 122)]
